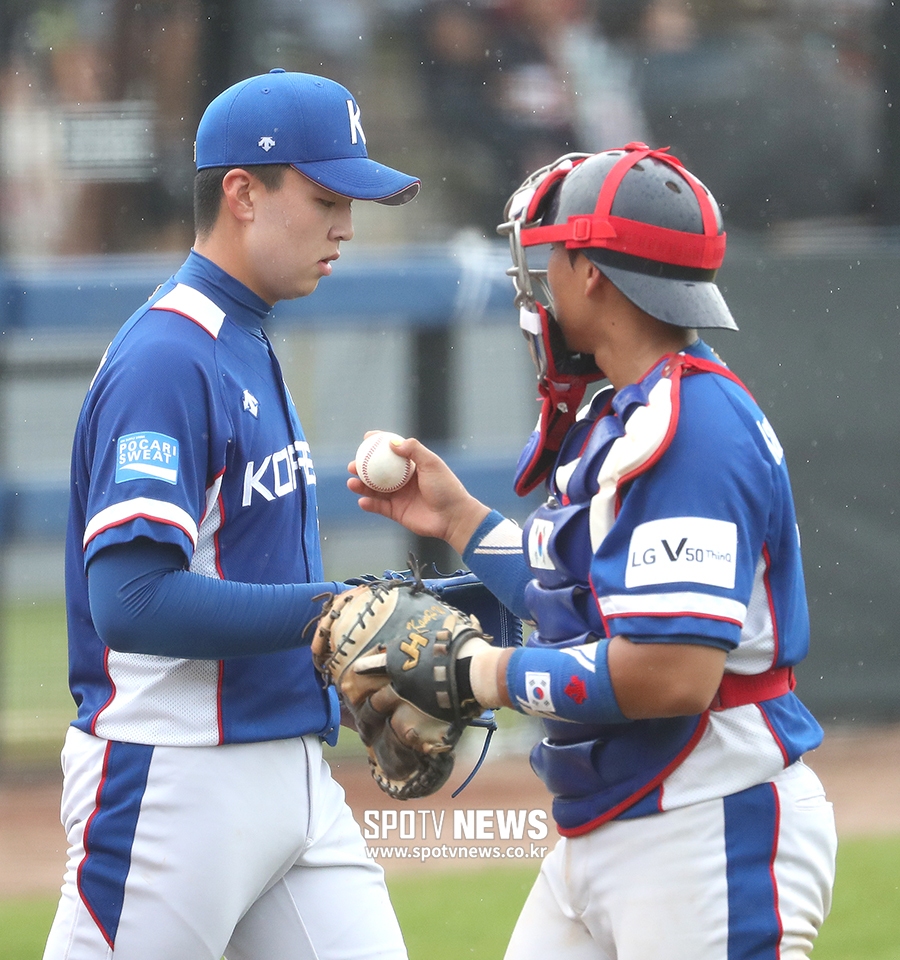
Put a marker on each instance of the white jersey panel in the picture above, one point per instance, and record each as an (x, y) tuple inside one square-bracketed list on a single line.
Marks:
[(204, 558), (505, 539), (756, 652), (161, 700), (735, 752)]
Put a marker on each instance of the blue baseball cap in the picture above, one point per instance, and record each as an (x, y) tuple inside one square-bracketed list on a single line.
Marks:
[(309, 122)]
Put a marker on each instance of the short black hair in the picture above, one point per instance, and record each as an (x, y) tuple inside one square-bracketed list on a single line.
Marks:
[(208, 191)]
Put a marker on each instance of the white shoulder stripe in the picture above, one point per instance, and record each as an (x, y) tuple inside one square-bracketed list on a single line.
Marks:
[(195, 306), (505, 538), (158, 510), (685, 603)]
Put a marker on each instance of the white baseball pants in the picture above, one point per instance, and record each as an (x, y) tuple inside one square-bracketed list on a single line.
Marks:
[(189, 853), (747, 877)]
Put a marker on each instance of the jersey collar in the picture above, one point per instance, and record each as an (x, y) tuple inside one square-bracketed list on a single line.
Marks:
[(238, 301)]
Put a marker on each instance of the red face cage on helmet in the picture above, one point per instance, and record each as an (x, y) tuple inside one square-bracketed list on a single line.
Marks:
[(602, 229)]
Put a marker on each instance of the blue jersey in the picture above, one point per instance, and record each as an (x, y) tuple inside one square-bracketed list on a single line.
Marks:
[(188, 436), (670, 519)]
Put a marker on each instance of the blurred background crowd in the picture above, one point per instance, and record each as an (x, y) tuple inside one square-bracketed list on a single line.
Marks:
[(784, 107)]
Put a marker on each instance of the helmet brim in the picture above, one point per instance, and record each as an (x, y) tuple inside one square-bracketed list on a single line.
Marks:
[(696, 304)]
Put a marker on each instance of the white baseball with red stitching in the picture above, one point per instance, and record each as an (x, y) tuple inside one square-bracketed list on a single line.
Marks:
[(379, 467)]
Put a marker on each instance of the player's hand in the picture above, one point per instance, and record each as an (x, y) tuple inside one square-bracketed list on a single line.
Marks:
[(434, 503)]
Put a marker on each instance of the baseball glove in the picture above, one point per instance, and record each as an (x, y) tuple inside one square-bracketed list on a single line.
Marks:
[(390, 647)]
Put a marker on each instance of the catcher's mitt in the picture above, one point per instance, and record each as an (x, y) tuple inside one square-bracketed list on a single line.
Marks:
[(390, 647)]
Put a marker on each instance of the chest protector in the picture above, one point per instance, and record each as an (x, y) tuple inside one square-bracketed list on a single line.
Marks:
[(620, 437), (601, 772)]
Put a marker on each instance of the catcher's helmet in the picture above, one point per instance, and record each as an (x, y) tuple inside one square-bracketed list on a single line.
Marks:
[(651, 226)]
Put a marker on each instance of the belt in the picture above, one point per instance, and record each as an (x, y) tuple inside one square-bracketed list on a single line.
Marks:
[(738, 689)]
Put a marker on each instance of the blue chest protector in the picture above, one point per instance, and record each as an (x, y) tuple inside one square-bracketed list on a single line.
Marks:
[(626, 465)]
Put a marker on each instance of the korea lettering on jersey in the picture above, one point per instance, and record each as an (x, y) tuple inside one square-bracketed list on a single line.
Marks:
[(213, 460), (671, 518)]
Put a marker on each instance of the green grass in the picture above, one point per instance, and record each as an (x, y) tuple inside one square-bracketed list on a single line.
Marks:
[(457, 915), (865, 917), (35, 705), (23, 927), (460, 916)]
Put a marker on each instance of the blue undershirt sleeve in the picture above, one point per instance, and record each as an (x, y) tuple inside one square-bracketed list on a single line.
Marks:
[(494, 553), (144, 601)]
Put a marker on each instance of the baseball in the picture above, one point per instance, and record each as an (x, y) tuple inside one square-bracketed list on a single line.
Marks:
[(379, 467)]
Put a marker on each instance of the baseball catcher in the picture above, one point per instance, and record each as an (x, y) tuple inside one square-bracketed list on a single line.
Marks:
[(663, 580), (397, 654)]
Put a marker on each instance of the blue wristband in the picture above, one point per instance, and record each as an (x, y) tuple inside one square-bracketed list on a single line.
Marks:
[(569, 683)]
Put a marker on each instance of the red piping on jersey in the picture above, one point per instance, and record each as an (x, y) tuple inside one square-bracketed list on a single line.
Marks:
[(612, 813), (85, 844), (220, 723), (676, 366), (221, 503), (220, 680), (112, 694), (734, 689), (740, 690), (774, 854), (765, 716), (671, 613), (767, 557)]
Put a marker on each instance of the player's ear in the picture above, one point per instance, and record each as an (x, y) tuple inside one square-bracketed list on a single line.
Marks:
[(594, 279), (237, 192)]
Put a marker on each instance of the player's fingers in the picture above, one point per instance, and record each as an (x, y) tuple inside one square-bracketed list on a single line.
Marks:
[(378, 504), (417, 452), (370, 500)]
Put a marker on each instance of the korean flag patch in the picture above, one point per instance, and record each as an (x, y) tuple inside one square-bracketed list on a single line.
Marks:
[(537, 691)]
